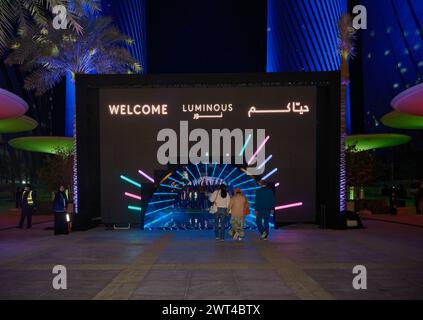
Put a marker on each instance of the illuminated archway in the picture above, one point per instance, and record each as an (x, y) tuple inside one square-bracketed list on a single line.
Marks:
[(164, 208)]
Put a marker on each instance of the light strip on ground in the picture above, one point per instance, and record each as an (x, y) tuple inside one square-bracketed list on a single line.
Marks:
[(269, 174), (291, 205), (264, 162), (130, 181), (146, 176), (158, 219), (160, 201), (245, 145), (131, 195), (258, 150), (157, 210)]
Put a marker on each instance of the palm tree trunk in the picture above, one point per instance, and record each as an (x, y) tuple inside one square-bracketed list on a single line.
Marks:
[(343, 134)]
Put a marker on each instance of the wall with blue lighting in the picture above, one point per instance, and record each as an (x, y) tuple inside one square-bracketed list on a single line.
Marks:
[(302, 35), (392, 55)]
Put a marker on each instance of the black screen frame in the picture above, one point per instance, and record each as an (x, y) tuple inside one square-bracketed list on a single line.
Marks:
[(88, 139)]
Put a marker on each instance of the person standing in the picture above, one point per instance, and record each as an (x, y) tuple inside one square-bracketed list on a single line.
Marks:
[(27, 206), (418, 199), (221, 199), (264, 206), (238, 209), (60, 205)]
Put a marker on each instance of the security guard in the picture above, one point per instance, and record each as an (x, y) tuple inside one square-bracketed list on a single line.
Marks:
[(28, 205)]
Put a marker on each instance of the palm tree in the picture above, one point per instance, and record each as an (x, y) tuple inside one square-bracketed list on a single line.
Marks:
[(48, 54), (346, 50), (19, 16)]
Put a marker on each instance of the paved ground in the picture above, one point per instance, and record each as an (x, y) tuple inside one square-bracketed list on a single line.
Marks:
[(298, 262)]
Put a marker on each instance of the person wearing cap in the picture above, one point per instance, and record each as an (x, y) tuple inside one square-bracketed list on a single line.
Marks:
[(264, 206), (27, 206), (238, 209)]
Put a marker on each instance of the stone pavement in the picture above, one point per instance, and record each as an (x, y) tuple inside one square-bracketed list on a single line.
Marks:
[(298, 262)]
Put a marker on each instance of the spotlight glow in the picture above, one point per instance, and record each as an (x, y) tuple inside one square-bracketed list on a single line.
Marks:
[(146, 176), (277, 184), (131, 195)]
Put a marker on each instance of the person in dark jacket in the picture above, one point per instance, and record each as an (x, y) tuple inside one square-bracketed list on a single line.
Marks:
[(60, 215), (418, 200), (264, 206), (28, 205)]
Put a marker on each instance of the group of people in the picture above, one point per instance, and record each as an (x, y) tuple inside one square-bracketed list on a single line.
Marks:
[(28, 204), (238, 208), (195, 197)]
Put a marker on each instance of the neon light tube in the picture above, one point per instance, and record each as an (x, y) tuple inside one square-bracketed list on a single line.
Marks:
[(252, 188), (233, 170), (242, 174), (214, 169), (146, 176), (245, 145), (258, 150), (134, 208), (130, 181), (198, 169), (242, 183), (173, 179), (191, 173), (291, 205), (169, 186), (269, 174), (265, 161), (131, 195), (165, 194), (222, 171)]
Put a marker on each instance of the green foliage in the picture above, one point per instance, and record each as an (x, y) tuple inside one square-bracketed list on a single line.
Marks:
[(20, 16), (362, 167), (48, 54), (57, 170)]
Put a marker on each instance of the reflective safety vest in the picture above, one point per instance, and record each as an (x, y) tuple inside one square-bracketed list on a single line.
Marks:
[(29, 198)]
